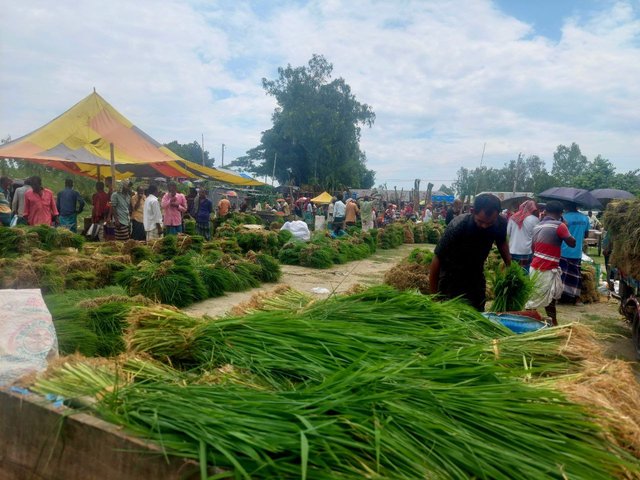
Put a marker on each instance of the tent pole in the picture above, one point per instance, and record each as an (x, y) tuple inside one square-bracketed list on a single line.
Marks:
[(113, 167)]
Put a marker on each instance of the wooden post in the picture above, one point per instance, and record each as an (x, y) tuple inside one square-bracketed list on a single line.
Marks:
[(113, 167), (99, 173)]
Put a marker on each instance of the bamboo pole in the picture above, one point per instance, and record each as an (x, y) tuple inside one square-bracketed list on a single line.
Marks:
[(113, 167)]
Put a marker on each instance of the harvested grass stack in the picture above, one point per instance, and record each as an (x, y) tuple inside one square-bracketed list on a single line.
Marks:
[(317, 256), (512, 288), (258, 241), (380, 383), (392, 236), (589, 289), (408, 232), (290, 253), (17, 241), (174, 282), (412, 273), (190, 227), (622, 221)]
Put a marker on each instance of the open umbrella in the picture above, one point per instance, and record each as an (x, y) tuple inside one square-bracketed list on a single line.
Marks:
[(578, 196), (606, 194)]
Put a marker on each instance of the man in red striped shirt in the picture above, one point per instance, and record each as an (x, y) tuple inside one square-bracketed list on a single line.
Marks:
[(548, 236)]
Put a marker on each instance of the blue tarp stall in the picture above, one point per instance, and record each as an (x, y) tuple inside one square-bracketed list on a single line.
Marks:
[(443, 198)]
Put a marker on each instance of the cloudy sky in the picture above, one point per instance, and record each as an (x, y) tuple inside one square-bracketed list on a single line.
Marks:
[(443, 77)]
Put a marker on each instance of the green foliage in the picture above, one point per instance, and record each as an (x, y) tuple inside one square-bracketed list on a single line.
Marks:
[(270, 270), (284, 236), (512, 288), (258, 240), (190, 227), (392, 236), (316, 130), (290, 253), (420, 256), (174, 282), (316, 256), (190, 151)]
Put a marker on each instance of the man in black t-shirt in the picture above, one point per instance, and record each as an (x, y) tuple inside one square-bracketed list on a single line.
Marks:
[(457, 268)]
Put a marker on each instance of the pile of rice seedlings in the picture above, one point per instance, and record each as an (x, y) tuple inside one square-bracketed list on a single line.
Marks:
[(589, 286), (512, 288), (174, 282), (380, 384), (622, 221), (258, 241), (17, 241), (60, 270), (190, 227), (289, 254), (412, 273), (392, 236), (316, 256), (270, 270), (427, 232), (91, 322)]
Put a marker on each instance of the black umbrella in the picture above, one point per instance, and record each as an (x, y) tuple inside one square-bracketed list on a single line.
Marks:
[(578, 196), (611, 194)]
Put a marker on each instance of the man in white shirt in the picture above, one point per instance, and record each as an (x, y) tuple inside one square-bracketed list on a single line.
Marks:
[(520, 233), (17, 204), (339, 212), (152, 215)]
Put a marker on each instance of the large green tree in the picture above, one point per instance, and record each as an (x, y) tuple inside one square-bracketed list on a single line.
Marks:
[(568, 163), (190, 151), (315, 137)]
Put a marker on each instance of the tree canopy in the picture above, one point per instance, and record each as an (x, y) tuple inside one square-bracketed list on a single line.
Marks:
[(570, 169), (315, 137), (190, 151)]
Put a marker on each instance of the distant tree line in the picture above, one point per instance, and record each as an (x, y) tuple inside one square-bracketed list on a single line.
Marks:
[(570, 169)]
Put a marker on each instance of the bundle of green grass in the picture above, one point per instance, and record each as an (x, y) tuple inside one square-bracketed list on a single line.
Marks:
[(92, 322), (381, 384), (412, 273), (512, 288), (20, 240), (191, 278), (427, 232), (391, 236), (622, 221)]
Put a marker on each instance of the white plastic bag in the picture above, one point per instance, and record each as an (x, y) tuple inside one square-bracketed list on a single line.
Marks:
[(299, 229), (27, 335)]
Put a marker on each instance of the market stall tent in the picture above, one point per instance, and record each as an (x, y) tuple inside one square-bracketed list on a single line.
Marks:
[(86, 138), (324, 197)]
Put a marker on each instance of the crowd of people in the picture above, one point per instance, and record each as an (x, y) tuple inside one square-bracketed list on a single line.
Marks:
[(545, 240), (141, 214)]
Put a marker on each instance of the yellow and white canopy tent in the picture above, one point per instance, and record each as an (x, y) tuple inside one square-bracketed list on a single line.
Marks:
[(94, 140), (324, 197)]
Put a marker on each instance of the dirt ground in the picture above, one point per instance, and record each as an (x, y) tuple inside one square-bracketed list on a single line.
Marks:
[(603, 316)]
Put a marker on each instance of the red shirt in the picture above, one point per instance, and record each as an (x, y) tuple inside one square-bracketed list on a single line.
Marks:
[(547, 241), (40, 208), (100, 210)]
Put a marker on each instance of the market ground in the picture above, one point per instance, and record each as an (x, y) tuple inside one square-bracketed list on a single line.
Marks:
[(602, 316)]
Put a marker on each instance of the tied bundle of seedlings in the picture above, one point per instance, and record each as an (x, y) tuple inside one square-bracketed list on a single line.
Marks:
[(270, 270), (17, 241), (622, 221), (264, 241), (392, 236), (316, 256), (385, 421), (512, 288), (281, 298), (190, 227), (174, 282), (290, 253), (284, 236), (408, 232), (589, 288), (55, 238), (412, 273)]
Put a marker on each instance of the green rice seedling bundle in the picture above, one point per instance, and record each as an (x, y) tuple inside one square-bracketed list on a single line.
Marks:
[(391, 236), (284, 236), (384, 421), (167, 247), (512, 288), (216, 279), (174, 282), (225, 230), (622, 221), (316, 256), (270, 270), (17, 241), (226, 245), (140, 253), (258, 241), (412, 273), (419, 233), (53, 238), (407, 229), (190, 227), (238, 218), (290, 253)]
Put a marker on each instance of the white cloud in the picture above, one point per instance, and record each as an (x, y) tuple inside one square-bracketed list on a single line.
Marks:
[(443, 77)]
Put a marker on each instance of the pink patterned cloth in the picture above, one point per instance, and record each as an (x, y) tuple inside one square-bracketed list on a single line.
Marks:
[(40, 208)]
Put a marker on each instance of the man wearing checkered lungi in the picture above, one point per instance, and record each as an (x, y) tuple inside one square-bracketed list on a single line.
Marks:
[(571, 257)]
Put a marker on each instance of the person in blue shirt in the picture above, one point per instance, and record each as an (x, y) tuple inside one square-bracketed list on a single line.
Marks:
[(202, 209), (70, 203), (571, 257)]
